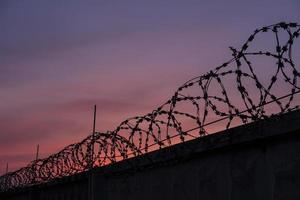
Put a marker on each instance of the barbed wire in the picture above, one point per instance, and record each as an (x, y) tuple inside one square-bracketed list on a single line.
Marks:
[(232, 94)]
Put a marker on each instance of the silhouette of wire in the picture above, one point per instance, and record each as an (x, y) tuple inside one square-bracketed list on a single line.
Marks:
[(232, 94)]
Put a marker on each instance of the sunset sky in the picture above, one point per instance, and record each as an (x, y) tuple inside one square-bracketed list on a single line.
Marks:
[(59, 58)]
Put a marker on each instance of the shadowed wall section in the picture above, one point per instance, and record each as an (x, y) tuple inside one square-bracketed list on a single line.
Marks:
[(260, 160)]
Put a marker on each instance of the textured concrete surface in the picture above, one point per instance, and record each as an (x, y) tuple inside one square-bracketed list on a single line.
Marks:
[(257, 161)]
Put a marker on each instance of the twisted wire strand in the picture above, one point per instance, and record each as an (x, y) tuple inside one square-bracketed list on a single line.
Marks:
[(232, 94)]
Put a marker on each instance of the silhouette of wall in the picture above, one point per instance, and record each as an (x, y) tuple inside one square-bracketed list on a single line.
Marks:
[(260, 160)]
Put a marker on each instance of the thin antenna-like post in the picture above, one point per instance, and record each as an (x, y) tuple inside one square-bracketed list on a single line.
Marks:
[(37, 152), (94, 124), (91, 177), (6, 168), (92, 142)]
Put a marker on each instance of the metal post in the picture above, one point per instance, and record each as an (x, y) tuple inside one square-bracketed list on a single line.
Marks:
[(91, 176), (93, 135), (6, 168), (37, 152), (94, 124)]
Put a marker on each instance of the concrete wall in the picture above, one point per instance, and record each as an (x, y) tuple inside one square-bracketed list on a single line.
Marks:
[(76, 189), (257, 161)]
